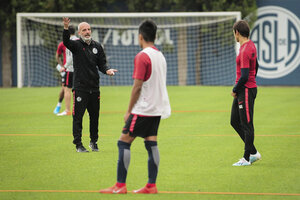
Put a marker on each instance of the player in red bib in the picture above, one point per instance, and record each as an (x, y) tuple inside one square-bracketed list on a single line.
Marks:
[(149, 103), (244, 93)]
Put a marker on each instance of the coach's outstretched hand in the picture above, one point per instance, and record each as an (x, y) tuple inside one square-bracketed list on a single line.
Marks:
[(66, 22), (111, 72)]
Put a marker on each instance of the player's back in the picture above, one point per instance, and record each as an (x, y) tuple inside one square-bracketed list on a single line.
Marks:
[(154, 100), (247, 59)]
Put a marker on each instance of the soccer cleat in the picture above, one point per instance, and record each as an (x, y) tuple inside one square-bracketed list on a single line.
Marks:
[(114, 190), (56, 109), (255, 157), (146, 190), (242, 162), (81, 149), (94, 146), (65, 113)]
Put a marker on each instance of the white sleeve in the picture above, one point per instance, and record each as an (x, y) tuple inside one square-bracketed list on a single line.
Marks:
[(69, 59)]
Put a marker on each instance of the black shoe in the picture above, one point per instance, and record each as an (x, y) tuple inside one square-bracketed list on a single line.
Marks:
[(94, 146), (81, 149)]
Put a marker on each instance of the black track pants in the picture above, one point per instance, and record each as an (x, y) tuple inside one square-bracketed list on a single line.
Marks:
[(242, 118), (82, 101)]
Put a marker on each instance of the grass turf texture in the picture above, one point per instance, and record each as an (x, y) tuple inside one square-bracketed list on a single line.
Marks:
[(197, 147)]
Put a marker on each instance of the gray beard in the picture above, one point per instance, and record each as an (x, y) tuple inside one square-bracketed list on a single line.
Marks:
[(88, 41)]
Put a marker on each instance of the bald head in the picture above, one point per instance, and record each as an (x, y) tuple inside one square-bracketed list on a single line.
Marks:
[(84, 31), (82, 24)]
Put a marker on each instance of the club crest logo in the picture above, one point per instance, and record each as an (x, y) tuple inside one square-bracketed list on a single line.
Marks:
[(78, 99), (95, 51), (276, 35)]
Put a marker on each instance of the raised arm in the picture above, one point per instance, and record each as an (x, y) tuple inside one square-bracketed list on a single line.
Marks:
[(70, 44)]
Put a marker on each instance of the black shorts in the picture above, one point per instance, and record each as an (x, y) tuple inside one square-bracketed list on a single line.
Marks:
[(69, 80), (141, 126)]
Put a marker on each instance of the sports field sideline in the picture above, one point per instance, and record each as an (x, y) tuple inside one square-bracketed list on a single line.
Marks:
[(197, 146)]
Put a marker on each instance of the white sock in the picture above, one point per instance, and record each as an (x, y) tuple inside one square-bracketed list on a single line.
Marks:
[(58, 104)]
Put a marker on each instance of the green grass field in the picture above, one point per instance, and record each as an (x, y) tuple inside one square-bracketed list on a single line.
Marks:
[(197, 147)]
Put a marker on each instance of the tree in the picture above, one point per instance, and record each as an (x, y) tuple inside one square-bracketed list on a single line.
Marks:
[(245, 6), (8, 22), (10, 8)]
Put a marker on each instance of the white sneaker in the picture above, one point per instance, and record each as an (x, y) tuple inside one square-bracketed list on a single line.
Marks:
[(64, 113), (255, 157), (242, 162)]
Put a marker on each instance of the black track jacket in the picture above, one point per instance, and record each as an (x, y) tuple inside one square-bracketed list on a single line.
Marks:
[(87, 60)]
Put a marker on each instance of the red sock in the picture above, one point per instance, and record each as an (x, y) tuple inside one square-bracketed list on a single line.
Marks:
[(150, 185), (120, 184)]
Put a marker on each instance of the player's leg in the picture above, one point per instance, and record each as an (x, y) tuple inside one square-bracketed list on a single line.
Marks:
[(153, 164), (247, 126), (254, 154), (60, 99), (67, 92), (80, 100), (67, 111), (153, 158), (151, 128), (124, 144), (241, 109), (235, 119), (246, 116), (93, 108), (61, 93)]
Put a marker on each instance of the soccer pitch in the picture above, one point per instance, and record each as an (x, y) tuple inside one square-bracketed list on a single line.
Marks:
[(197, 147)]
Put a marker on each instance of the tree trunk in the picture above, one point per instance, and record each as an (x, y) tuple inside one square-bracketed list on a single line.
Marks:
[(6, 59)]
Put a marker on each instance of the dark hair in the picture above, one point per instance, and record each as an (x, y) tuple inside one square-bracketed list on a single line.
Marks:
[(71, 30), (242, 27), (148, 30)]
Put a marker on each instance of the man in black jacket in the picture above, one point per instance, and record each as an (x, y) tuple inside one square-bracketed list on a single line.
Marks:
[(88, 58)]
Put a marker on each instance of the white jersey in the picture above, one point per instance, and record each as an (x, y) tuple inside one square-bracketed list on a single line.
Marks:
[(69, 57), (154, 99)]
